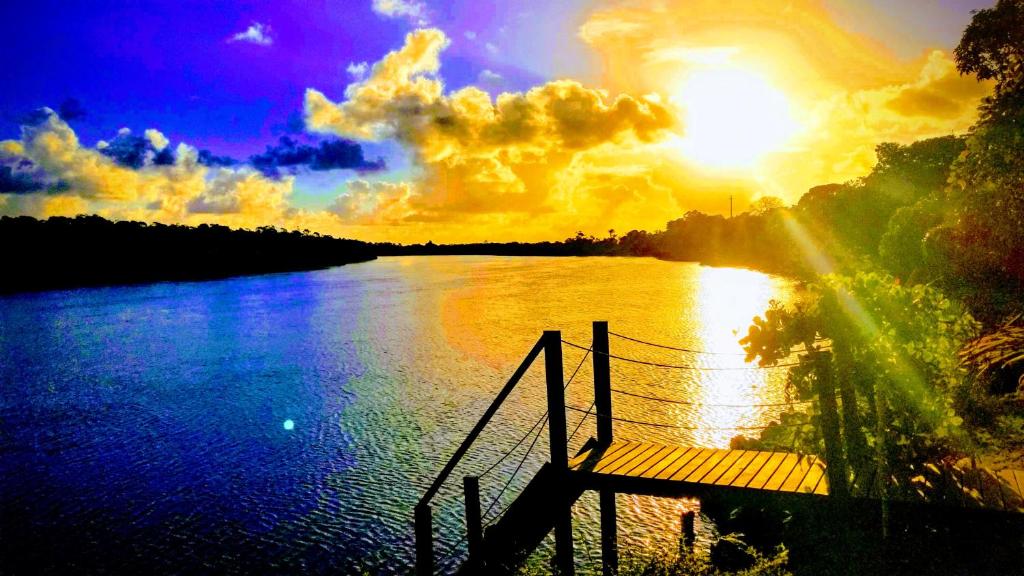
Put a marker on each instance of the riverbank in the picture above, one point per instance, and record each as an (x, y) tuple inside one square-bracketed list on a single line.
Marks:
[(61, 253)]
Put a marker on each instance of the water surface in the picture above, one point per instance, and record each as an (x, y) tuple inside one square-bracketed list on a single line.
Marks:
[(288, 423)]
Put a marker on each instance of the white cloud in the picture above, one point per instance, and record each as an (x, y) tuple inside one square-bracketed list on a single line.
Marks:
[(357, 70), (157, 139), (256, 33), (491, 49), (469, 34), (490, 78), (412, 10)]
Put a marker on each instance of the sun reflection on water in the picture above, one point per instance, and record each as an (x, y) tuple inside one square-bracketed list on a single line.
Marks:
[(729, 299)]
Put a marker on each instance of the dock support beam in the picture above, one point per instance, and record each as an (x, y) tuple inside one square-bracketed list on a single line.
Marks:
[(603, 406), (474, 530), (559, 449), (424, 541), (689, 531)]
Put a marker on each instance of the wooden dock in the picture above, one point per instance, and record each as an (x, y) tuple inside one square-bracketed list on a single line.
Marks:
[(610, 466), (657, 469)]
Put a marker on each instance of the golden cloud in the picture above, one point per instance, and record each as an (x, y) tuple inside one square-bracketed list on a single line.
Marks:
[(185, 192), (478, 155)]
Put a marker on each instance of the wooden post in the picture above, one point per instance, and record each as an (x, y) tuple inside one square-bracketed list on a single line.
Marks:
[(689, 530), (474, 530), (558, 446), (825, 388), (424, 541), (603, 406), (602, 384)]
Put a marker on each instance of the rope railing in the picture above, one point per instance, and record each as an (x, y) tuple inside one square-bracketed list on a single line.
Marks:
[(691, 350), (680, 366), (678, 427), (707, 405)]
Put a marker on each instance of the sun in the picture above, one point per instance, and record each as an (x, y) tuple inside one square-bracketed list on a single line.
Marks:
[(733, 117)]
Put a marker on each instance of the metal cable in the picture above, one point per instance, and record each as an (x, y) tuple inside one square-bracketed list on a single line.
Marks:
[(522, 460), (522, 439), (677, 427), (510, 479), (671, 401), (677, 366), (580, 423), (690, 350)]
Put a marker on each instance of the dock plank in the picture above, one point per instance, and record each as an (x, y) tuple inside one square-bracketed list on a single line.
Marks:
[(692, 465), (786, 468), (737, 468), (680, 454), (702, 470), (723, 466), (634, 458), (751, 470), (766, 472), (669, 471)]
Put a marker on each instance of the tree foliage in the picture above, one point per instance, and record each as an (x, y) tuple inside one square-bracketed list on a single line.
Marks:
[(895, 344)]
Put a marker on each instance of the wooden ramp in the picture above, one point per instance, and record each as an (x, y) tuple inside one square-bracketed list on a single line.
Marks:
[(658, 469)]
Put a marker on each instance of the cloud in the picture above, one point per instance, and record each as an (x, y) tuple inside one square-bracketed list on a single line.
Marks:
[(241, 192), (848, 125), (469, 35), (412, 10), (71, 109), (19, 176), (256, 33), (357, 70), (490, 78), (333, 154), (207, 158), (481, 156), (135, 151), (373, 203), (50, 173), (940, 91), (156, 139)]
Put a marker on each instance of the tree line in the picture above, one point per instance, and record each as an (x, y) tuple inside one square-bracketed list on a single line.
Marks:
[(90, 250)]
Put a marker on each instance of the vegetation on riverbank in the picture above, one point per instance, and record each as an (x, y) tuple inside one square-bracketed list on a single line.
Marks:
[(91, 251)]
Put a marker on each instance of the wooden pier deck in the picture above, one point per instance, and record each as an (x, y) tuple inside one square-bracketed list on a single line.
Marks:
[(658, 469)]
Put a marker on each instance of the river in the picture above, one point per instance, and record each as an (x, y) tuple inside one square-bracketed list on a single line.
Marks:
[(288, 423)]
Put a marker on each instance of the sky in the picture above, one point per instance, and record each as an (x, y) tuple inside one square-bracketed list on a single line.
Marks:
[(416, 120)]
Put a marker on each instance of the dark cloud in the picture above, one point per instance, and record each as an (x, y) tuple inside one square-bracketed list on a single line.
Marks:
[(71, 109), (35, 117), (22, 176), (134, 151), (207, 158), (334, 154)]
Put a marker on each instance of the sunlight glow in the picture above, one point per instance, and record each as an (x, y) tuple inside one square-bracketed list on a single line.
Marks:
[(734, 117), (289, 424)]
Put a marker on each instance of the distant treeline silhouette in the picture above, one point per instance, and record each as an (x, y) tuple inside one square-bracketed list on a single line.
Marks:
[(90, 250)]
